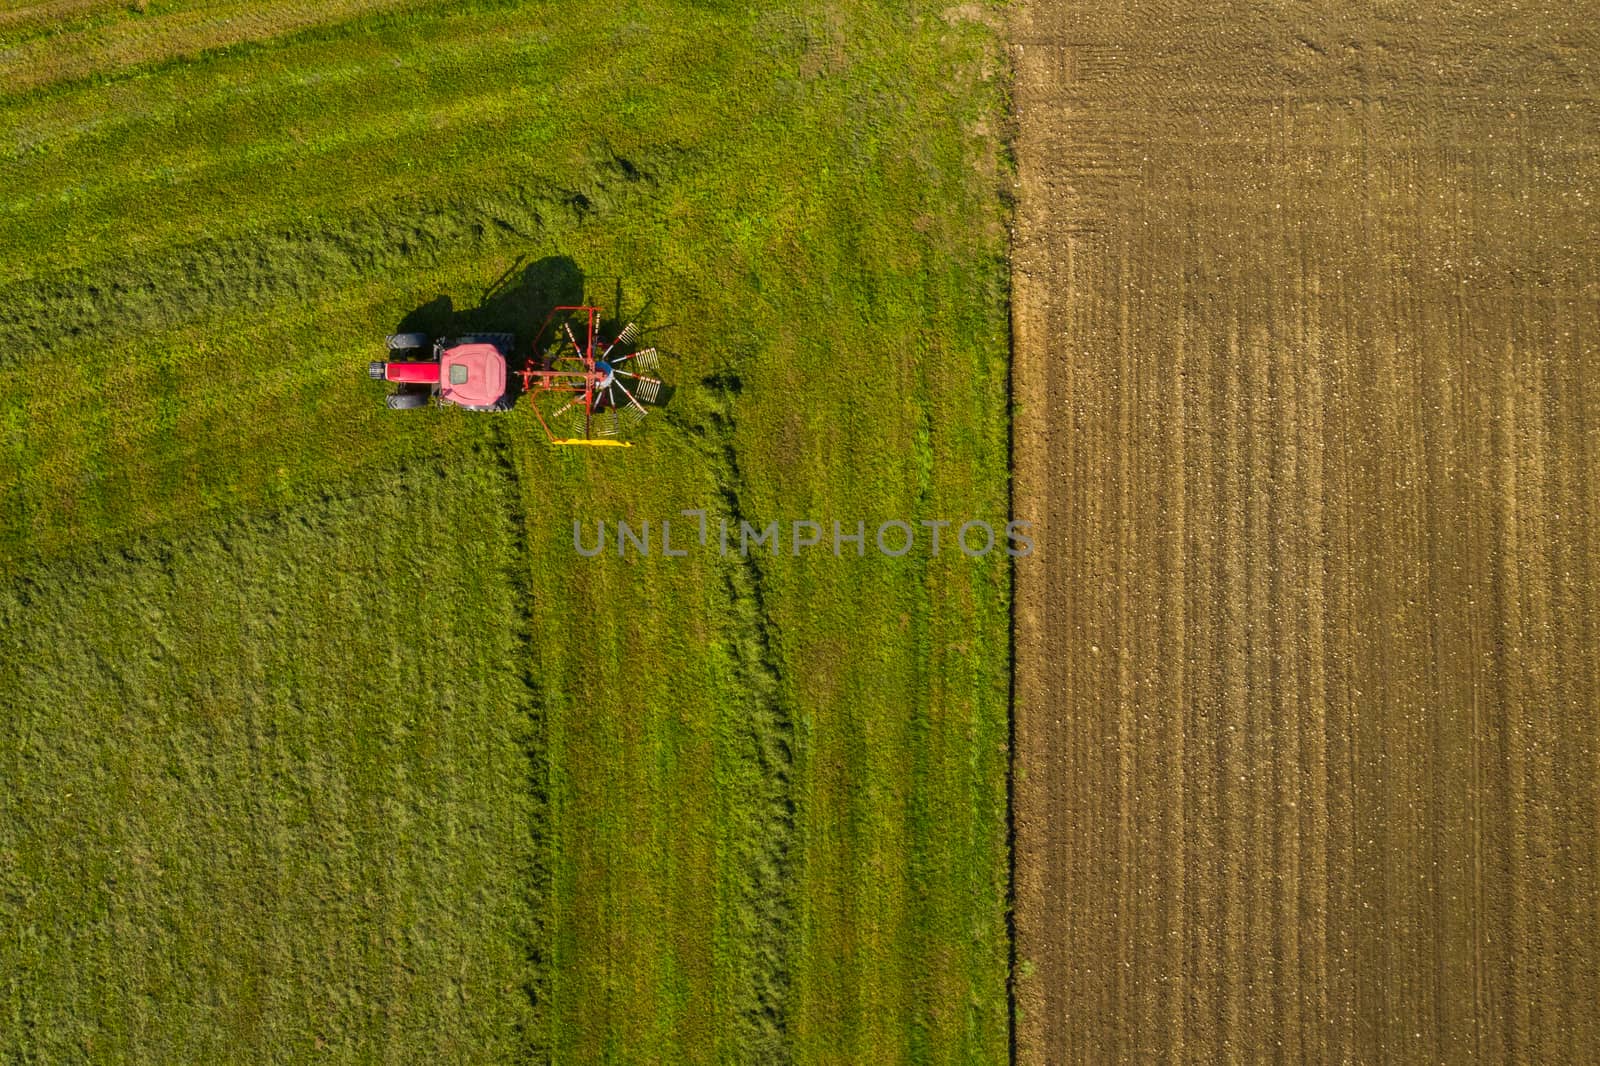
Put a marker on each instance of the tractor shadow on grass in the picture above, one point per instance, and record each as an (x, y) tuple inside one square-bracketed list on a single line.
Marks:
[(516, 302)]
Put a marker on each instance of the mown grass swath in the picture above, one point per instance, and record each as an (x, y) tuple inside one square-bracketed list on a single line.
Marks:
[(273, 787), (775, 786)]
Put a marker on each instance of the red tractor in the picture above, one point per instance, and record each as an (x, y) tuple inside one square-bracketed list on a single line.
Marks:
[(468, 371)]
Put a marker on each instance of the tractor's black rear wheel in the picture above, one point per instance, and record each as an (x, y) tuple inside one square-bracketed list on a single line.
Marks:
[(406, 401), (399, 342)]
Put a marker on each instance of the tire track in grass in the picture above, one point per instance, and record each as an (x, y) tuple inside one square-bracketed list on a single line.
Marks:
[(764, 842)]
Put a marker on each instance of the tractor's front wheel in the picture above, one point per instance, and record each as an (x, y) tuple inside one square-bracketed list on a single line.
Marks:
[(405, 401)]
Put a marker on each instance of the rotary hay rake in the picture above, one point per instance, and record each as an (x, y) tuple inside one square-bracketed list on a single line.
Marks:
[(601, 386)]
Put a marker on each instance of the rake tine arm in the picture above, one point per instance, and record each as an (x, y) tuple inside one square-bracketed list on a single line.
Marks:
[(631, 400), (583, 356)]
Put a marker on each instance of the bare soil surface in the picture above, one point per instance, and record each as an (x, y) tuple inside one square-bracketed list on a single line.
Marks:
[(1308, 689)]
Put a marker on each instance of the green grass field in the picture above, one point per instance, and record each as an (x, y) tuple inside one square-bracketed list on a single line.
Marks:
[(361, 755)]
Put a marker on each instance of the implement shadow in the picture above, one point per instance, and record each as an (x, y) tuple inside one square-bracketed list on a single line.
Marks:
[(517, 302)]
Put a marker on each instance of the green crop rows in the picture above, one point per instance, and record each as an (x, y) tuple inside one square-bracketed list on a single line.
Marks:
[(316, 734)]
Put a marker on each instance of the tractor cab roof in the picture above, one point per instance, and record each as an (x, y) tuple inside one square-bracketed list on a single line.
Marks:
[(472, 375)]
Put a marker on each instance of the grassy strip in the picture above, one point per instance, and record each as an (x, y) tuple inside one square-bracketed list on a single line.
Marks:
[(267, 790), (895, 694), (41, 54)]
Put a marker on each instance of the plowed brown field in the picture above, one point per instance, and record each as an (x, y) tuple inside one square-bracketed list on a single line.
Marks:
[(1308, 689)]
